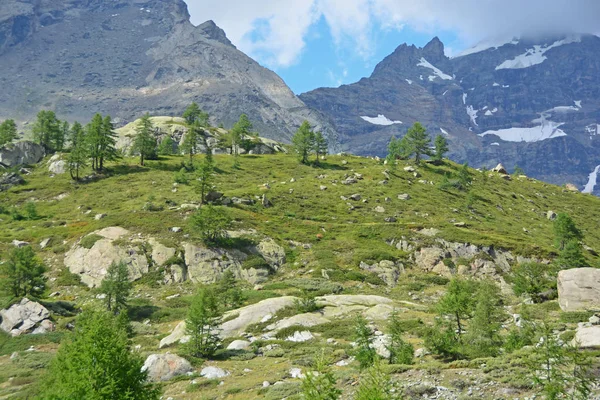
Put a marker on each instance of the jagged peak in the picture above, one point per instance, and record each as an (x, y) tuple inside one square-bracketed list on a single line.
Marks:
[(434, 49), (212, 31)]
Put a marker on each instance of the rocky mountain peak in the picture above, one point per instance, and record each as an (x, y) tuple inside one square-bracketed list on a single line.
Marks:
[(212, 31), (434, 50)]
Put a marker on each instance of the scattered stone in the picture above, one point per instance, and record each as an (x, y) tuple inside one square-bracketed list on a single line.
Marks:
[(21, 153), (344, 162), (164, 367), (292, 180), (551, 215), (356, 197), (58, 167), (409, 169), (213, 196), (26, 317), (404, 196), (213, 373), (300, 337), (379, 209), (98, 217), (266, 203), (238, 345), (587, 337), (322, 187), (571, 188), (390, 219), (460, 224), (176, 229), (296, 373), (9, 180), (45, 243), (500, 169), (266, 384), (594, 320)]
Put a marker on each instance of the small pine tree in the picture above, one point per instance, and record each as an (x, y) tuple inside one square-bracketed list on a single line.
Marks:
[(376, 385), (398, 149), (205, 179), (363, 337), (108, 151), (62, 136), (303, 142), (533, 279), (116, 287), (565, 231), (145, 142), (441, 148), (23, 274), (202, 324), (78, 156), (8, 132), (46, 130), (483, 337), (230, 293), (211, 222), (417, 142), (95, 361), (193, 114), (458, 303), (320, 384), (518, 171), (321, 145), (189, 145), (548, 363), (401, 352), (166, 146)]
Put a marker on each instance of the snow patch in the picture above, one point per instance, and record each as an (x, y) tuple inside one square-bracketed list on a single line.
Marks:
[(577, 103), (380, 120), (495, 144), (464, 98), (592, 181), (443, 94), (546, 130), (444, 131), (488, 113), (438, 74), (496, 84), (409, 81), (534, 56), (593, 130), (472, 114), (563, 109)]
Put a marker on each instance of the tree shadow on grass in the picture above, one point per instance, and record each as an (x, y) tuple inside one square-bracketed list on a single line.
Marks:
[(141, 312)]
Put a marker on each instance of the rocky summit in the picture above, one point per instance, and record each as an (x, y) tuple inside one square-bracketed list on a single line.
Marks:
[(526, 102), (127, 57)]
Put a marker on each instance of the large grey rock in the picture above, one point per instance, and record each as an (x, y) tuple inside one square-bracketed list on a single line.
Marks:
[(92, 264), (306, 320), (164, 367), (242, 318), (25, 317), (273, 253), (160, 253), (9, 180), (207, 265), (238, 345), (587, 337), (21, 153), (387, 270), (56, 165), (579, 289), (213, 373)]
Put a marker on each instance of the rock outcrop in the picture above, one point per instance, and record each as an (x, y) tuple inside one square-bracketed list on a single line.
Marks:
[(587, 337), (26, 317), (579, 289), (21, 153), (164, 367), (92, 263), (9, 180)]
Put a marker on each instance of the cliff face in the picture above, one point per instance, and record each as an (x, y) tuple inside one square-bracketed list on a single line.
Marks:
[(532, 103), (128, 57)]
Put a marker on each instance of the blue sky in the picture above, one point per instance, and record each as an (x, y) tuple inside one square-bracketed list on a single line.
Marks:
[(322, 63), (315, 43)]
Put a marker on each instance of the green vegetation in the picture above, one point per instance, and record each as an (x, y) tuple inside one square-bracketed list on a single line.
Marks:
[(145, 142), (116, 287), (23, 274), (8, 132), (320, 384), (211, 223), (202, 324), (96, 362), (363, 336)]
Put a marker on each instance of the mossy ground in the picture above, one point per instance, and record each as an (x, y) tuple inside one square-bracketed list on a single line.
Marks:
[(497, 212)]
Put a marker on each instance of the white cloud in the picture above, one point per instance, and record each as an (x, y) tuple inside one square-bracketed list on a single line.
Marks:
[(275, 30)]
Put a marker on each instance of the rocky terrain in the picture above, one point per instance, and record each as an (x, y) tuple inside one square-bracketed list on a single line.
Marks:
[(526, 102), (359, 237), (129, 57)]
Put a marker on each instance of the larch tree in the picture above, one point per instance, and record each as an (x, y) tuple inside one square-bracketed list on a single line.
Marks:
[(202, 323), (116, 287), (145, 141), (46, 130), (22, 274), (8, 131), (303, 142), (441, 148), (321, 145), (418, 142)]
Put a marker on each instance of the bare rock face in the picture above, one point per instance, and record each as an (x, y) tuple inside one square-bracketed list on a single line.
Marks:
[(579, 289), (26, 317), (147, 57), (20, 153), (92, 263), (164, 367), (587, 337)]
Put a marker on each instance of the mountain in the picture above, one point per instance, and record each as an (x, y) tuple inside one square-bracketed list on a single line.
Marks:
[(534, 103), (127, 57)]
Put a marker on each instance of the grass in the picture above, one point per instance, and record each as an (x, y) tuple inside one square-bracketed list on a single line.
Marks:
[(338, 237)]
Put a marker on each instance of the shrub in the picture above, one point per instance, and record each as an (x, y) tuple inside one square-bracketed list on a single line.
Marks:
[(89, 240)]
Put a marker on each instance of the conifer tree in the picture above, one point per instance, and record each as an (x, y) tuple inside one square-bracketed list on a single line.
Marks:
[(567, 239), (205, 179), (193, 114), (211, 222), (22, 274), (321, 145), (166, 146), (320, 384), (401, 352), (483, 337), (375, 384), (417, 142), (398, 149), (363, 337), (230, 293), (190, 141), (145, 141), (8, 132), (116, 287), (78, 155), (202, 324), (108, 151), (441, 148), (95, 362), (62, 136), (303, 142), (46, 130), (93, 140)]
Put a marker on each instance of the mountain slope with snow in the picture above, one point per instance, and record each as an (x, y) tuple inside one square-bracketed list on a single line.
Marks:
[(531, 103)]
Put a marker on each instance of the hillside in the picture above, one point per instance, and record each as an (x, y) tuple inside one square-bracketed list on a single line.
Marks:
[(531, 102), (363, 237), (129, 57)]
